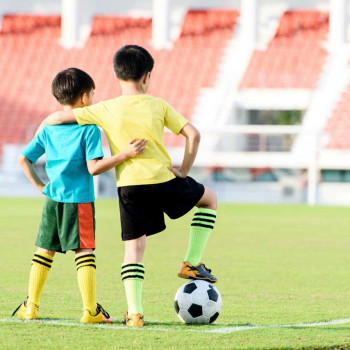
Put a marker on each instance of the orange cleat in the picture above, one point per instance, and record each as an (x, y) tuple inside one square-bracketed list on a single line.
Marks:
[(133, 320), (199, 272)]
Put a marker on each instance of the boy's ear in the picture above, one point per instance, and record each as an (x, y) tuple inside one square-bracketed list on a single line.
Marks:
[(146, 78), (84, 98)]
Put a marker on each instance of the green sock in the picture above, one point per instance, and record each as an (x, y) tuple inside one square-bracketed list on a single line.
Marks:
[(133, 276), (201, 227)]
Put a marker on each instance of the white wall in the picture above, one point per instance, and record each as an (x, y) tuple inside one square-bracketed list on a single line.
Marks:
[(30, 6), (112, 6), (334, 194), (137, 8), (105, 6), (270, 9)]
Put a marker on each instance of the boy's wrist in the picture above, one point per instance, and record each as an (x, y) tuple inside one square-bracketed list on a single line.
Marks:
[(40, 187), (126, 155), (183, 172), (178, 172)]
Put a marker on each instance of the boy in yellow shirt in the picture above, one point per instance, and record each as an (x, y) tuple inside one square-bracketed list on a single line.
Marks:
[(148, 186)]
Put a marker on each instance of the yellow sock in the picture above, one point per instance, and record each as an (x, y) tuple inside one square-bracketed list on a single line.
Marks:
[(41, 265), (86, 271)]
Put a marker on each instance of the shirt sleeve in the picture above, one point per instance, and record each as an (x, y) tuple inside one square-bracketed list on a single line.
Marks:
[(90, 115), (93, 144), (173, 120), (36, 148)]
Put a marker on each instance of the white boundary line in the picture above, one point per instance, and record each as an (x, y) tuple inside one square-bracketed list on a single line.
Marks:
[(220, 330)]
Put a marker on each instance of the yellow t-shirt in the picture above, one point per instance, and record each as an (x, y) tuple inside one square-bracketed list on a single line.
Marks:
[(140, 116)]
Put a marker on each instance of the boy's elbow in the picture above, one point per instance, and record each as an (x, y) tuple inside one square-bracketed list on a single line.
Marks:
[(55, 118), (58, 117), (92, 167), (93, 172), (21, 159), (196, 136)]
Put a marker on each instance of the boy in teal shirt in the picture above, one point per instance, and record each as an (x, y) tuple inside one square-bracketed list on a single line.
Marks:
[(73, 155)]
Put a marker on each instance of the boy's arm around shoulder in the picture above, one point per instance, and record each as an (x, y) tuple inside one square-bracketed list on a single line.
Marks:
[(193, 138), (59, 117), (92, 114), (133, 149), (30, 172)]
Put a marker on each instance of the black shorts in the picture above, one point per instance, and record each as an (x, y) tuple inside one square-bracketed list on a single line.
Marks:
[(142, 207)]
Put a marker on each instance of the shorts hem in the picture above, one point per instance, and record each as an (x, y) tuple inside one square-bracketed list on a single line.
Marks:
[(48, 247), (129, 237), (189, 207), (59, 250)]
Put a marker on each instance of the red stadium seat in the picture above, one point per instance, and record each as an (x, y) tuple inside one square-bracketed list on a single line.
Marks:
[(338, 125), (31, 56), (295, 49)]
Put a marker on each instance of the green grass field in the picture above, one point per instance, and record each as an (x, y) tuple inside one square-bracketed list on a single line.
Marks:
[(277, 265)]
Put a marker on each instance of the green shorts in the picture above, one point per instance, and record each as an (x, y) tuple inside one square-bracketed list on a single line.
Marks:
[(66, 226)]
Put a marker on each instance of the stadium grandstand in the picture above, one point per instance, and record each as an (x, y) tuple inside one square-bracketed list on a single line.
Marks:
[(266, 82)]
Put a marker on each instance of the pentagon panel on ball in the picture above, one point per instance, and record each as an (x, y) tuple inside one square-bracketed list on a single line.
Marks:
[(198, 302)]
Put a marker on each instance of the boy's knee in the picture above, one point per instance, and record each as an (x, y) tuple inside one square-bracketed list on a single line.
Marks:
[(134, 250), (47, 251), (209, 199), (213, 199), (83, 251)]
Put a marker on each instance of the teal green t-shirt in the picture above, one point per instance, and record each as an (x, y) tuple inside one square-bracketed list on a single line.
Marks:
[(67, 149)]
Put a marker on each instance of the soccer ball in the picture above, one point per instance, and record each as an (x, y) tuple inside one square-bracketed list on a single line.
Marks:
[(198, 302)]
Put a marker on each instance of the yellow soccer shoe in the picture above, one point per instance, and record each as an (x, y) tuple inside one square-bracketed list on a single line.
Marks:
[(27, 311), (102, 316), (133, 320)]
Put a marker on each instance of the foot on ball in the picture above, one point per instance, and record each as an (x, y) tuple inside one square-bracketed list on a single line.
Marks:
[(199, 272)]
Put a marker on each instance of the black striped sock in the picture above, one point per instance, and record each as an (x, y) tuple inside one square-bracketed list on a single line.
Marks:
[(42, 259), (201, 227), (204, 218), (134, 271), (85, 260)]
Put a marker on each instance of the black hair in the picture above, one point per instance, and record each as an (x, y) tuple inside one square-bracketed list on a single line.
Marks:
[(70, 84), (131, 62)]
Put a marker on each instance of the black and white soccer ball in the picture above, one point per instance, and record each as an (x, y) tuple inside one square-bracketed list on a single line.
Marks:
[(198, 302)]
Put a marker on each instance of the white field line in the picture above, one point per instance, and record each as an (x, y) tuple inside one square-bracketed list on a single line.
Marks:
[(222, 330)]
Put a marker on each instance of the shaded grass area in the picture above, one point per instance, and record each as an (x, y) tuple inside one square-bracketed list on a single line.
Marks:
[(276, 265)]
